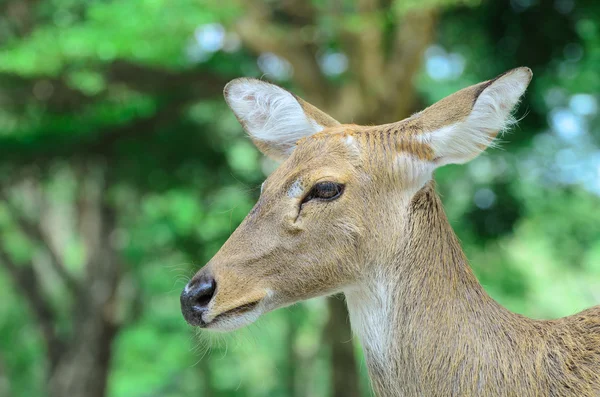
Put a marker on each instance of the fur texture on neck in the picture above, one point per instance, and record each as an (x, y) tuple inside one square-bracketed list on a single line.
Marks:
[(429, 329)]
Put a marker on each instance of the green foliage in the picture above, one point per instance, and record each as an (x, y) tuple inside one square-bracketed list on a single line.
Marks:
[(148, 31), (411, 5)]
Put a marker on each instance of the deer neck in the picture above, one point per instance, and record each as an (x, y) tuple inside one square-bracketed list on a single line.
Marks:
[(419, 314)]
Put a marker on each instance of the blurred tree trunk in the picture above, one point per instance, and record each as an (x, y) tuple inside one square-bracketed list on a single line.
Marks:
[(82, 370), (291, 375), (4, 380), (79, 356), (344, 379)]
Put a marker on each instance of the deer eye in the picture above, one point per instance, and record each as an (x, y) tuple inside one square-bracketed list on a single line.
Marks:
[(324, 191)]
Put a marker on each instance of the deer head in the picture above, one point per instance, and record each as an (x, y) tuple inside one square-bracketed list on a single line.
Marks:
[(336, 207)]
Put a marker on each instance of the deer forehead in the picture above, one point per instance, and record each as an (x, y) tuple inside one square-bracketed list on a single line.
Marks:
[(340, 157), (360, 144)]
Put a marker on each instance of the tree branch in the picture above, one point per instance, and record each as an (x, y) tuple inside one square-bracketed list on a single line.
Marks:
[(35, 233), (261, 33), (382, 89), (47, 148), (415, 33), (364, 45), (5, 387), (20, 15), (97, 225), (27, 281), (147, 79), (60, 97)]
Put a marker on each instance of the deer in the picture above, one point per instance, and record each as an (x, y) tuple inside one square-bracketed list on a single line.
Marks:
[(353, 209)]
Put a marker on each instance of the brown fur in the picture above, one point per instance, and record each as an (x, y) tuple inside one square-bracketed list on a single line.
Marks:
[(452, 339), (427, 326)]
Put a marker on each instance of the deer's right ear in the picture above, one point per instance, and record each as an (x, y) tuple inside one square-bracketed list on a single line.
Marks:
[(274, 118)]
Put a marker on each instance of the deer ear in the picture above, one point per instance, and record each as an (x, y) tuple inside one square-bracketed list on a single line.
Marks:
[(274, 118), (461, 126)]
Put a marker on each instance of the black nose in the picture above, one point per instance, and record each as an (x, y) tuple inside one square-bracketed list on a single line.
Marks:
[(195, 298)]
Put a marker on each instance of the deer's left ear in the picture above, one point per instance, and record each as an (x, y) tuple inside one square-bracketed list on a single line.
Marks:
[(461, 126), (274, 118)]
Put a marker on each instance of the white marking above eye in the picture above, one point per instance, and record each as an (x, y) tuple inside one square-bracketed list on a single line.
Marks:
[(295, 189)]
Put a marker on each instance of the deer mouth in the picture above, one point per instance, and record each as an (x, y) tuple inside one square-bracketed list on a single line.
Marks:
[(236, 317), (246, 307)]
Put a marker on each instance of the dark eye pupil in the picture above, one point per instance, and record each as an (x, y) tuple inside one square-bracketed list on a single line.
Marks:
[(325, 191)]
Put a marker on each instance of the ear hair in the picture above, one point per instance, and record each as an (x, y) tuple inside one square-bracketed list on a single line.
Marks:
[(273, 117), (491, 114)]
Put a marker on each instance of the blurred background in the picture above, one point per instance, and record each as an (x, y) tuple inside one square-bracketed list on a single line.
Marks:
[(122, 172)]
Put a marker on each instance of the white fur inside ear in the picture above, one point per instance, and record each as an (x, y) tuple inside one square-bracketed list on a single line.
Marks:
[(491, 115), (269, 113)]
